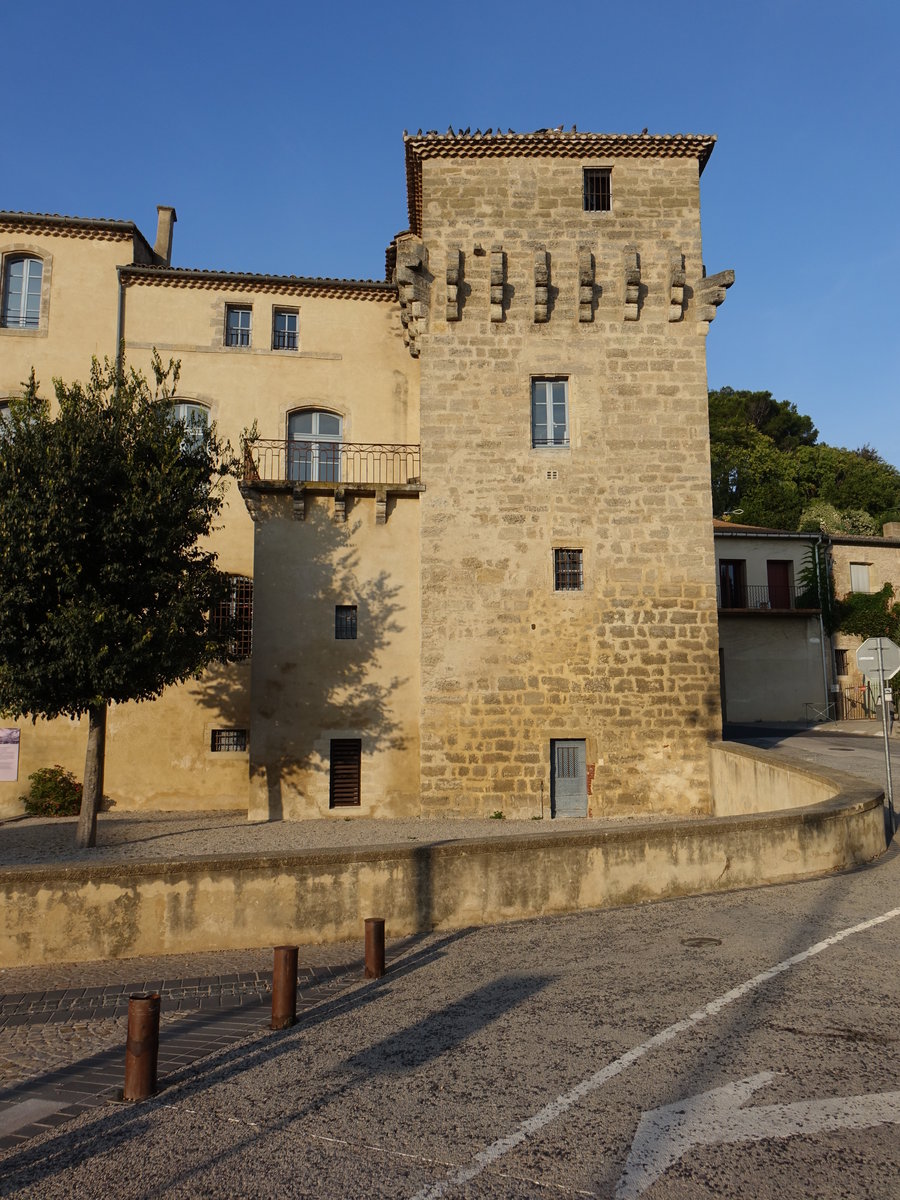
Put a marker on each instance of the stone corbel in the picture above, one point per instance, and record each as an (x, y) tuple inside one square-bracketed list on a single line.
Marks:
[(541, 284), (454, 283), (585, 285), (340, 505), (381, 505), (411, 279), (498, 282), (676, 285), (632, 283), (709, 294), (298, 499)]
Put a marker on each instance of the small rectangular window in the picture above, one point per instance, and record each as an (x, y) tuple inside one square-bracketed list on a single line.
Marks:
[(343, 783), (859, 577), (222, 740), (568, 570), (345, 622), (237, 325), (284, 329), (597, 189), (840, 662), (549, 412)]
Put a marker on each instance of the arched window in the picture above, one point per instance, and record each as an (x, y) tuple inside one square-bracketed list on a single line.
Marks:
[(314, 446), (21, 303), (195, 417)]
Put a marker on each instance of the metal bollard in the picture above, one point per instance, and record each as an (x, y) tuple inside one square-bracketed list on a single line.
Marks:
[(284, 987), (374, 947), (142, 1046)]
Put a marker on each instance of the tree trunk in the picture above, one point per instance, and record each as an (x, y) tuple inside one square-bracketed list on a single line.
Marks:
[(86, 834)]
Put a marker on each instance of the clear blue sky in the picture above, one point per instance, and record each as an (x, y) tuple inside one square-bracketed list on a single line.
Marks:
[(275, 131)]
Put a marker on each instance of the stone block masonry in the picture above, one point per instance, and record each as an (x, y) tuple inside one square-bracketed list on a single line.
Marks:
[(626, 662)]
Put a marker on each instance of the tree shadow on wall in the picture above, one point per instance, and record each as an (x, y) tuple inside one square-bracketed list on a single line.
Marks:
[(308, 682)]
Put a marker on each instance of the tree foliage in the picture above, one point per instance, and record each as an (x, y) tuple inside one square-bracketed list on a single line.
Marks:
[(870, 614), (767, 462), (106, 589)]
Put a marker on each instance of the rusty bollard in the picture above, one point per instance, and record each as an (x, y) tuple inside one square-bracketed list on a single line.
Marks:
[(142, 1046), (374, 947), (284, 987)]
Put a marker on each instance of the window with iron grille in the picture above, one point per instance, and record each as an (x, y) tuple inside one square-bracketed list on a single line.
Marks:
[(21, 301), (343, 783), (284, 329), (235, 614), (840, 662), (237, 325), (222, 740), (345, 622), (597, 189), (549, 412), (568, 570)]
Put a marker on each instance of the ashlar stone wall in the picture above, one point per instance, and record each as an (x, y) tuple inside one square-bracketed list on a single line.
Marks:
[(522, 283)]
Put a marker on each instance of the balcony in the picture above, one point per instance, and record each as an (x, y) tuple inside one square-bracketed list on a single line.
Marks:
[(333, 468), (761, 598)]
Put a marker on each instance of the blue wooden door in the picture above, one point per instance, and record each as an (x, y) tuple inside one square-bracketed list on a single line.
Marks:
[(568, 778)]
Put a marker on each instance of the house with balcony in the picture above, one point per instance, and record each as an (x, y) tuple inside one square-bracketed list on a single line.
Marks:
[(774, 656), (456, 522)]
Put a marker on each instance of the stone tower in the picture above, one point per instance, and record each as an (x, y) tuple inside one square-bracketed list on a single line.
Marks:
[(553, 290)]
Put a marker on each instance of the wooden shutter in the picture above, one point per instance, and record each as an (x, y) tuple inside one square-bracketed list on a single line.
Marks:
[(344, 779)]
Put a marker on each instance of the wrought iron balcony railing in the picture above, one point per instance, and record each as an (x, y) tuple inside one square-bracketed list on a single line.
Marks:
[(779, 598), (361, 463)]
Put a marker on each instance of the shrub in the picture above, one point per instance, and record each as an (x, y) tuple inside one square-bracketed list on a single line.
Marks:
[(55, 792)]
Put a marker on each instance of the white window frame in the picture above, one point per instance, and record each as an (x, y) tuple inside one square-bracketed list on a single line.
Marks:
[(287, 335), (243, 333), (307, 463), (544, 403), (20, 319)]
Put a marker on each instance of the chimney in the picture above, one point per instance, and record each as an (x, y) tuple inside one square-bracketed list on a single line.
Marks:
[(891, 529), (165, 222)]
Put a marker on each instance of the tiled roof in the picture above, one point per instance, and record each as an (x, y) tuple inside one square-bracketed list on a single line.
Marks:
[(104, 227), (543, 143), (720, 526), (358, 289)]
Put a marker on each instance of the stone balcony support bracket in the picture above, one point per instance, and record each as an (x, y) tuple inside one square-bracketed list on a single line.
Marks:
[(585, 284), (498, 282), (676, 285), (300, 494), (454, 284)]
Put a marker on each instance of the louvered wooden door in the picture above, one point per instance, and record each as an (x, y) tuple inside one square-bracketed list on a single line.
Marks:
[(344, 777)]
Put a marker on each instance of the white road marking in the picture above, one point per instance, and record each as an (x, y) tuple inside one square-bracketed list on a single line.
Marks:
[(716, 1117), (563, 1103)]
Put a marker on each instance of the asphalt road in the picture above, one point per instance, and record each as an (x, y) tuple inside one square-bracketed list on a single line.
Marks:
[(743, 1045)]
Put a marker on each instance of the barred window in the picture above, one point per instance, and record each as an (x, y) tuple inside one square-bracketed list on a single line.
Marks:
[(345, 622), (237, 325), (568, 570), (840, 662), (235, 614), (222, 740), (284, 329), (597, 189)]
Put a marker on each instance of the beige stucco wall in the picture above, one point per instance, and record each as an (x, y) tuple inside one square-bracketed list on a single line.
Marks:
[(758, 551), (308, 687), (629, 663)]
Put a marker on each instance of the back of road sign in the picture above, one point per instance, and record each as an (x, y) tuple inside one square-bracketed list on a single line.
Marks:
[(870, 661)]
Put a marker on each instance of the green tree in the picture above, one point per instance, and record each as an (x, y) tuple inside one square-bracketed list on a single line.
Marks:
[(870, 614), (766, 461), (106, 592)]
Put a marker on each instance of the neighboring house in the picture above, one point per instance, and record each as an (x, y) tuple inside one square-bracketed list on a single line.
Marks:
[(860, 564), (773, 654), (480, 561)]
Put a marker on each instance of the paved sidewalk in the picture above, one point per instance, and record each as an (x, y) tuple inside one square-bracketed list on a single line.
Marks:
[(62, 1048)]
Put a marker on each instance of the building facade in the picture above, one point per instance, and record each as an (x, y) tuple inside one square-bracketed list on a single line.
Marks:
[(475, 511)]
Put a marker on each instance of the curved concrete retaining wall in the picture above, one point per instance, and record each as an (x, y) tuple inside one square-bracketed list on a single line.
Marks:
[(110, 911)]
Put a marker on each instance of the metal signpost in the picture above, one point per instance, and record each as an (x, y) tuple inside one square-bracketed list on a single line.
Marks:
[(879, 658)]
